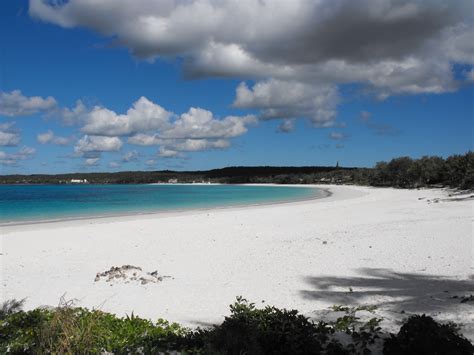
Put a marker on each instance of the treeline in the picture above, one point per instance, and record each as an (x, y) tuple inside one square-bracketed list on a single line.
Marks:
[(241, 174), (456, 171)]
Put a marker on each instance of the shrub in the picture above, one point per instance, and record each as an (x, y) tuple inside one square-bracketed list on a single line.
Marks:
[(10, 307), (248, 330), (265, 331), (69, 330), (421, 335)]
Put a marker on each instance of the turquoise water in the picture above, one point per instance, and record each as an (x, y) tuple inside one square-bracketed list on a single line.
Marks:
[(25, 203)]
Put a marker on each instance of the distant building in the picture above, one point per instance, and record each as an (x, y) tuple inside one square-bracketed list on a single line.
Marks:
[(172, 181), (78, 181)]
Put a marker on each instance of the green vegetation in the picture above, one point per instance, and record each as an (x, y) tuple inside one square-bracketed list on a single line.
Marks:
[(248, 330), (456, 171), (421, 335)]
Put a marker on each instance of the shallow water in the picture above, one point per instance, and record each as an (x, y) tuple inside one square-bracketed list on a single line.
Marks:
[(24, 203)]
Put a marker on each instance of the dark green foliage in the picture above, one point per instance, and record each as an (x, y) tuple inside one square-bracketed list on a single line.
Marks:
[(265, 331), (237, 175), (9, 307), (457, 171), (421, 335), (67, 330), (248, 330)]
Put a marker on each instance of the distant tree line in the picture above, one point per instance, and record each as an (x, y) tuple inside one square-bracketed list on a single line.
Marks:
[(456, 171)]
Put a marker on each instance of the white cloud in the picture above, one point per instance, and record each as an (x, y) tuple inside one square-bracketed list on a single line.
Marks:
[(195, 130), (71, 116), (142, 117), (290, 99), (92, 161), (145, 139), (97, 144), (46, 137), (198, 123), (175, 148), (50, 137), (9, 137), (195, 145), (12, 159), (392, 46), (13, 104), (167, 153)]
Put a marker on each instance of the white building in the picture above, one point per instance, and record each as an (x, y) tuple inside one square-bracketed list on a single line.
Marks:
[(78, 181)]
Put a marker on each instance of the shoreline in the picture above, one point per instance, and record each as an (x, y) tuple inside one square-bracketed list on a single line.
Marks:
[(165, 212), (404, 251)]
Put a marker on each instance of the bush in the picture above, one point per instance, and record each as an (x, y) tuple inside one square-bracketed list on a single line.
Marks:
[(265, 331), (421, 335), (10, 307), (68, 330), (248, 330)]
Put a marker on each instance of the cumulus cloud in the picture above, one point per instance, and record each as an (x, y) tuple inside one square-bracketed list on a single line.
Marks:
[(290, 99), (71, 116), (394, 46), (200, 123), (13, 104), (12, 159), (9, 137), (96, 144), (143, 116), (195, 130), (50, 137), (175, 148)]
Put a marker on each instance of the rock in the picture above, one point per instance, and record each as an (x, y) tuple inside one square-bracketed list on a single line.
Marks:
[(129, 274)]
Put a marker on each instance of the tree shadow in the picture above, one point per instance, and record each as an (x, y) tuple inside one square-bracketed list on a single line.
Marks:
[(411, 292)]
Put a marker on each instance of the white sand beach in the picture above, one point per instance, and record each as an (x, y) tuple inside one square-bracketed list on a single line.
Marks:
[(397, 249)]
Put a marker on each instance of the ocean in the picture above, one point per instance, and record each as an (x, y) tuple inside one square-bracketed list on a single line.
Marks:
[(30, 203)]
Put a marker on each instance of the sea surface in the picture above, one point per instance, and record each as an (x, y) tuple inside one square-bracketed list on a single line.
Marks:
[(31, 203)]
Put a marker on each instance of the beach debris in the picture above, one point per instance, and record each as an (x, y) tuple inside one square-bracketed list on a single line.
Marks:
[(460, 196), (466, 299), (129, 273)]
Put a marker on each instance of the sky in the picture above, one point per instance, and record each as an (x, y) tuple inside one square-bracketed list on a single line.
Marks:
[(119, 85)]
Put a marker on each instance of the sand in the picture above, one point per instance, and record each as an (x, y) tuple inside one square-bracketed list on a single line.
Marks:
[(397, 249)]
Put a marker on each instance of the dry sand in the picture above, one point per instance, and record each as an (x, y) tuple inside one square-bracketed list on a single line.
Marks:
[(397, 249)]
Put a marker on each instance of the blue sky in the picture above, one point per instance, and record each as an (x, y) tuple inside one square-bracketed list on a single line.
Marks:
[(293, 108)]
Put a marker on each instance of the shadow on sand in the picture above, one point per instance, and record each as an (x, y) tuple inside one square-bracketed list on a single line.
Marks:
[(410, 292)]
